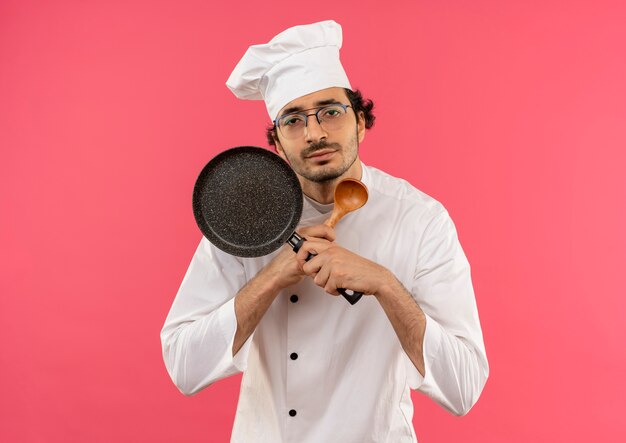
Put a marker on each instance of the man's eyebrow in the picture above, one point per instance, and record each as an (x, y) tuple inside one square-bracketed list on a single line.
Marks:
[(293, 109)]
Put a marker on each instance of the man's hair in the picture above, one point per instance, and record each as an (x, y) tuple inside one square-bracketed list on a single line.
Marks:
[(358, 103)]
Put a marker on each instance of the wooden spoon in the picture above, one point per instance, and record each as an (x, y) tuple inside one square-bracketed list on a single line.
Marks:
[(350, 195)]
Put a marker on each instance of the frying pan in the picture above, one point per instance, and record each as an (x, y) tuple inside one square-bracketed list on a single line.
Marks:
[(247, 201)]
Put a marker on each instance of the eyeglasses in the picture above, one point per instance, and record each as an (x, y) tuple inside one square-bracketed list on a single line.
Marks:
[(330, 118)]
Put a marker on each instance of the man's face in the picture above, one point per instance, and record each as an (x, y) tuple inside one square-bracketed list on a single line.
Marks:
[(320, 155)]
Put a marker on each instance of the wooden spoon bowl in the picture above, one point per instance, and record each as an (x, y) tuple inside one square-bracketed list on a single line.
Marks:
[(350, 195)]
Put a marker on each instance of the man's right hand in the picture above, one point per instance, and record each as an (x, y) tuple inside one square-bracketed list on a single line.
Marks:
[(284, 269), (257, 295)]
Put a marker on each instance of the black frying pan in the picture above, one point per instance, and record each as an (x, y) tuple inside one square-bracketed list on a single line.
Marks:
[(247, 201)]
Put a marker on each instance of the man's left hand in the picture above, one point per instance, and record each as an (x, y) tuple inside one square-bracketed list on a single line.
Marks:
[(335, 267)]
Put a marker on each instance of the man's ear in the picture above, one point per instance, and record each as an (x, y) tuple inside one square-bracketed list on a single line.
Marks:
[(360, 126), (279, 148)]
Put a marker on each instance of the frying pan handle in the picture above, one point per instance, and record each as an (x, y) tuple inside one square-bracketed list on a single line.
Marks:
[(296, 241), (350, 295)]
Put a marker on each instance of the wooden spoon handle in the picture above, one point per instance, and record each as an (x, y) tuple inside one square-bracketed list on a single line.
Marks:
[(334, 218)]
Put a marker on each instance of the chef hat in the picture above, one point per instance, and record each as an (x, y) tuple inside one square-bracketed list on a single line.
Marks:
[(298, 61)]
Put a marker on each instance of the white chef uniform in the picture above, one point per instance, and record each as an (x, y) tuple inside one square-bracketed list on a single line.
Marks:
[(316, 368)]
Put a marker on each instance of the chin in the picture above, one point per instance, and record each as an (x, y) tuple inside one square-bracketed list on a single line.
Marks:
[(323, 175)]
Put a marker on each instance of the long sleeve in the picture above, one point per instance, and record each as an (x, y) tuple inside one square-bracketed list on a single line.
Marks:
[(456, 366), (198, 334)]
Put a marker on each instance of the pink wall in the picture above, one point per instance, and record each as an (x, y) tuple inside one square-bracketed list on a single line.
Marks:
[(513, 114)]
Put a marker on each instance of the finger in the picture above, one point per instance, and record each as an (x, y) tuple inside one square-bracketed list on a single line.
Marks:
[(322, 277), (311, 247), (326, 280), (312, 267), (331, 287), (319, 231)]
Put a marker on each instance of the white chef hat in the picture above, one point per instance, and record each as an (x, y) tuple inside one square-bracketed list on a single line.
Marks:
[(298, 61)]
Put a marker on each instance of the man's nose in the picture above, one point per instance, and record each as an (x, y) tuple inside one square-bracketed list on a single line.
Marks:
[(314, 130)]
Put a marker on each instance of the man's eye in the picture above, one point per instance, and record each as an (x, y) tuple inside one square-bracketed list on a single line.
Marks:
[(332, 112), (291, 121)]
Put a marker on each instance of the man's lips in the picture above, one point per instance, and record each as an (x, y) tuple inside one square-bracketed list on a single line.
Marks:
[(322, 153)]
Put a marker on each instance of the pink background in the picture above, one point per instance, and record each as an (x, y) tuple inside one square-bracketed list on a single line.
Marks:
[(513, 114)]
